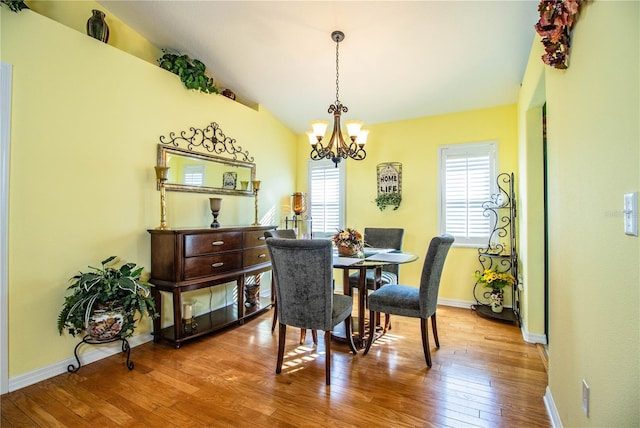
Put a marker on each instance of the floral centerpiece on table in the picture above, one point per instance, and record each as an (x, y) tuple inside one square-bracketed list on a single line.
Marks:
[(348, 242)]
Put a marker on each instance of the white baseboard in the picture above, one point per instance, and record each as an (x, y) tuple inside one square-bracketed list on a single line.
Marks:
[(552, 411), (465, 304), (532, 337), (94, 354)]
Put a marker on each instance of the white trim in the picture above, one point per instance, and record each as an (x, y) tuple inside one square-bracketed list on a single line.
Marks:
[(5, 137), (552, 410), (532, 337), (464, 304), (97, 352)]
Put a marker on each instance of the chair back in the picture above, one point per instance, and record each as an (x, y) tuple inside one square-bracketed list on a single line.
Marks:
[(380, 237), (282, 233), (303, 269), (431, 273)]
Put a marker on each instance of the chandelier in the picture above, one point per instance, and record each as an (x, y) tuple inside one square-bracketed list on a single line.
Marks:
[(336, 148)]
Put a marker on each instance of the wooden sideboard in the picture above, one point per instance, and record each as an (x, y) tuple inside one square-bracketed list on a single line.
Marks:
[(191, 259)]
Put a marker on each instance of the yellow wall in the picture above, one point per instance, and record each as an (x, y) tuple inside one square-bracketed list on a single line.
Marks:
[(75, 14), (415, 144), (86, 121), (593, 112)]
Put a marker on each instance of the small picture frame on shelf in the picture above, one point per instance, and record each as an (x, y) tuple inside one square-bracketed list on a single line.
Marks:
[(229, 180)]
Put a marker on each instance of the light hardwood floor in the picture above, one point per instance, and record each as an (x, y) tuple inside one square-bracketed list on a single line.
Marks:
[(484, 375)]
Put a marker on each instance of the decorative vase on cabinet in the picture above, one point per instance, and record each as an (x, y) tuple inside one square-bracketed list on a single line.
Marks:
[(97, 26)]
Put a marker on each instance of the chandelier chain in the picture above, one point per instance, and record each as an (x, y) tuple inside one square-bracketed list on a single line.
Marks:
[(337, 75)]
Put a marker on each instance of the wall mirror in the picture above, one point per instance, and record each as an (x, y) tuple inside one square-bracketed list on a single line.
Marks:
[(204, 173)]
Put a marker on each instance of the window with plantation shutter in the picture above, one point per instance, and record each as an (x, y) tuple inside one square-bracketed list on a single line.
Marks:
[(194, 175), (326, 196), (467, 174)]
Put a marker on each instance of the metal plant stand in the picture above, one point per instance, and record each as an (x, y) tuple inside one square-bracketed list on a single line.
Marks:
[(87, 339), (501, 251)]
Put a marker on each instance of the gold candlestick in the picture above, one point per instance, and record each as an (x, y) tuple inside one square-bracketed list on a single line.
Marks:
[(256, 187), (161, 176)]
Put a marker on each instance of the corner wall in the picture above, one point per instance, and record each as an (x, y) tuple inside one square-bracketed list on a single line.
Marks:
[(593, 112), (86, 122)]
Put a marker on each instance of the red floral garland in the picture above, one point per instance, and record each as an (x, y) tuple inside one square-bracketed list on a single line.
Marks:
[(557, 18)]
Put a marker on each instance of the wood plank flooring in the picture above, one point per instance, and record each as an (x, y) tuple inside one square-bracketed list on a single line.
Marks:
[(483, 375)]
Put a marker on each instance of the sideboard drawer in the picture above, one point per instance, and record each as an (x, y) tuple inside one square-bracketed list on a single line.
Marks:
[(208, 243), (254, 238), (196, 267), (256, 256)]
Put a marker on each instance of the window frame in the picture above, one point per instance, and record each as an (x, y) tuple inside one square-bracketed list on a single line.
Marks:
[(474, 149), (326, 164)]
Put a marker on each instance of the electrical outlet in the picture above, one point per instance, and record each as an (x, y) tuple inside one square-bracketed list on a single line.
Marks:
[(585, 397)]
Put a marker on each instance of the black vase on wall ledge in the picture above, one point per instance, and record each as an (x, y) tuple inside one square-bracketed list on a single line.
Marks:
[(97, 27)]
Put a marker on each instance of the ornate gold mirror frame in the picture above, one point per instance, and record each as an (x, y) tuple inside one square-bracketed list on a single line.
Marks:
[(195, 171)]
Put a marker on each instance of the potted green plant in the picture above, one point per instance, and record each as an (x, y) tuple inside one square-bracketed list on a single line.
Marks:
[(495, 280), (192, 72), (391, 199), (104, 302)]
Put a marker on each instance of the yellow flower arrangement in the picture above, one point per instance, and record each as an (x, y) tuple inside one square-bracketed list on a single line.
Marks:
[(496, 280)]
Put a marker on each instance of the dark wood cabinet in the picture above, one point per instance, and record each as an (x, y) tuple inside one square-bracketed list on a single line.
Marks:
[(191, 259)]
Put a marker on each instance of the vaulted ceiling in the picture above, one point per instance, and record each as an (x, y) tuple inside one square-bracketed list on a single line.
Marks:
[(399, 59)]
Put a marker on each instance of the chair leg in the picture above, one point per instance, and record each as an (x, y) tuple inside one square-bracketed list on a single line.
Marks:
[(349, 335), (275, 316), (425, 340), (281, 339), (327, 347), (387, 323), (434, 327), (303, 336), (372, 333)]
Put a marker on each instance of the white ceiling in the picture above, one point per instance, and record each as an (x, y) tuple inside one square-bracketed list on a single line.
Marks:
[(399, 59)]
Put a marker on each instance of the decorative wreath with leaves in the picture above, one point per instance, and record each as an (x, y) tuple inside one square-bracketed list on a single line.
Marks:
[(557, 18)]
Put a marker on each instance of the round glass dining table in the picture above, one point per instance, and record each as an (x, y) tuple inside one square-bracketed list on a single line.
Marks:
[(373, 258)]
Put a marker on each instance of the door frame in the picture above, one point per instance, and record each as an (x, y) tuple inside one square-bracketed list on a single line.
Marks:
[(5, 137)]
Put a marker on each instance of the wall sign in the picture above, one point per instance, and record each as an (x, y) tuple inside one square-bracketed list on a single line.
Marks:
[(389, 185)]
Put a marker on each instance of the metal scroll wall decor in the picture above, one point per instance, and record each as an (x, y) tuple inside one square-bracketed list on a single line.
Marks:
[(211, 139), (389, 185)]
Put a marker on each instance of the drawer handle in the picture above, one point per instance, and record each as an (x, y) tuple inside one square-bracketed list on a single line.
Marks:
[(216, 265), (262, 256), (217, 243)]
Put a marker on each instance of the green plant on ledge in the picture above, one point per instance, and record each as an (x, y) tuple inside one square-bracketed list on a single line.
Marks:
[(392, 199), (191, 72)]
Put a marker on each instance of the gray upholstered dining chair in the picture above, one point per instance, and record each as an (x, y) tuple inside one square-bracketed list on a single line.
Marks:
[(379, 237), (285, 234), (303, 269), (409, 301)]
